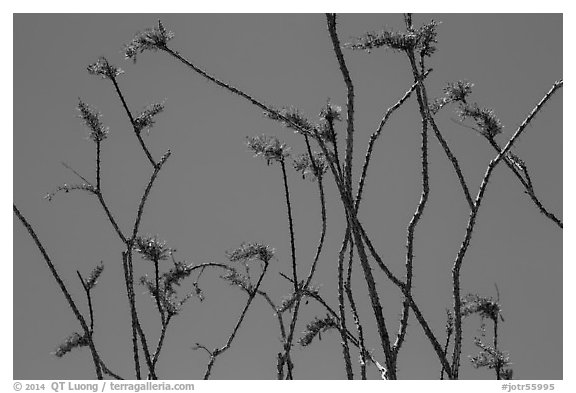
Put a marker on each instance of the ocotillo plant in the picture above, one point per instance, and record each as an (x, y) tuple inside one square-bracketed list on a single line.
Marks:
[(356, 303)]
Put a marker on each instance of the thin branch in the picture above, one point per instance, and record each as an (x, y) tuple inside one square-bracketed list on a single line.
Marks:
[(219, 351), (71, 303), (378, 132), (89, 299), (110, 216), (132, 121), (526, 182), (65, 165), (342, 311), (109, 372), (288, 341), (98, 151), (472, 222), (412, 227), (527, 185), (129, 292), (290, 224), (424, 98), (157, 169), (331, 21), (359, 328)]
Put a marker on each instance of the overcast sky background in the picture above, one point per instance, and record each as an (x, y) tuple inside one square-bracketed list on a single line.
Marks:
[(212, 195)]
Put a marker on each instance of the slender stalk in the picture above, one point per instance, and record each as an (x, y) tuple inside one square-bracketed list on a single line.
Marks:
[(527, 185), (290, 338), (144, 198), (143, 341), (413, 223), (498, 367), (219, 351), (331, 21), (341, 308), (290, 224), (359, 327), (89, 300), (132, 121), (109, 372), (64, 290), (374, 137), (98, 150), (355, 341), (132, 314), (157, 292)]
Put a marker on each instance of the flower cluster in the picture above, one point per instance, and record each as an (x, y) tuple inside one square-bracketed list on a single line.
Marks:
[(315, 328), (104, 69), (251, 251), (485, 119), (484, 306), (304, 165), (492, 358), (325, 128), (292, 118), (453, 92), (239, 280), (152, 249), (71, 342), (145, 120), (421, 40), (70, 187), (151, 39), (94, 275), (168, 283), (268, 147), (91, 117)]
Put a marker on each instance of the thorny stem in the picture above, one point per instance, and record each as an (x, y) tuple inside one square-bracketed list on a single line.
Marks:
[(291, 224), (161, 340), (98, 148), (129, 291), (139, 329), (132, 121), (449, 330), (378, 132), (341, 308), (218, 351), (472, 221), (413, 223), (423, 100), (288, 341), (89, 299), (157, 293), (71, 303), (417, 313), (498, 364), (528, 186), (350, 336), (107, 371), (110, 216), (331, 21), (157, 169), (348, 288), (281, 358)]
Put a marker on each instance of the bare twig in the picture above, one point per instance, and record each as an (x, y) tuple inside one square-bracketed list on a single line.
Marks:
[(71, 303)]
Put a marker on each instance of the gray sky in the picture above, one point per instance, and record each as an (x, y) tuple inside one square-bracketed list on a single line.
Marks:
[(212, 195)]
